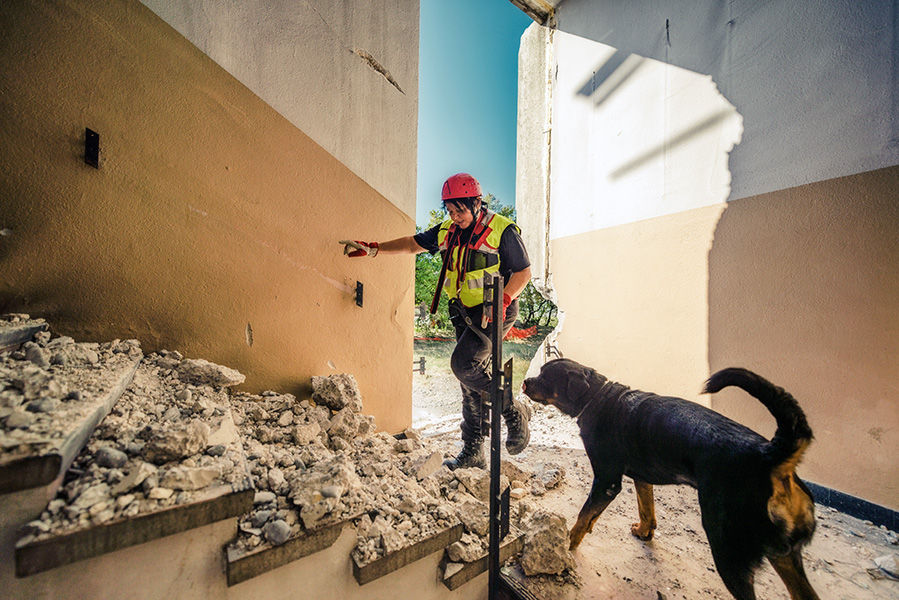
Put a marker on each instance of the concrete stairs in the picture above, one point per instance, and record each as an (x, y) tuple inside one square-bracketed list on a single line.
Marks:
[(181, 546)]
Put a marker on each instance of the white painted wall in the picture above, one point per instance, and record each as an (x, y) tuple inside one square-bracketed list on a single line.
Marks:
[(633, 138), (300, 57), (814, 81)]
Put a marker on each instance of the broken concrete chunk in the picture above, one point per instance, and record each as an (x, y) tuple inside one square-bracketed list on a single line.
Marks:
[(202, 372), (551, 474), (189, 478), (136, 477), (306, 433), (165, 445), (429, 465), (546, 545), (477, 482), (276, 532), (469, 549), (337, 392), (111, 458)]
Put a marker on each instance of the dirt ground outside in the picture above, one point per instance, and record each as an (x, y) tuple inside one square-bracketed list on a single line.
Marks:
[(677, 564)]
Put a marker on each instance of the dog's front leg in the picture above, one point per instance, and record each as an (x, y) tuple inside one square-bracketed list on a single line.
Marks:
[(647, 509), (601, 495)]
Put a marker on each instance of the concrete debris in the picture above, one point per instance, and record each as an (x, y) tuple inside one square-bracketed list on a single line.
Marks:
[(202, 372), (546, 545), (43, 402), (133, 465), (337, 392)]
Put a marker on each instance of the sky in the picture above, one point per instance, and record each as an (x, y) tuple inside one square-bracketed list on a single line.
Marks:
[(467, 96)]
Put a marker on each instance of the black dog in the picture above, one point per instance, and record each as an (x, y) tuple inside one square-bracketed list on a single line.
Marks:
[(753, 504)]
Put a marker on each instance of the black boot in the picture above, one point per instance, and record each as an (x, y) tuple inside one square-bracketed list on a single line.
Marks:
[(472, 455), (518, 434)]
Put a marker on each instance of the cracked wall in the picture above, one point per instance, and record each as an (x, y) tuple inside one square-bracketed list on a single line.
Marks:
[(346, 74)]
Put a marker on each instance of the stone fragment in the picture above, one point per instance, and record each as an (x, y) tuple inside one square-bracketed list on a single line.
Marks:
[(477, 482), (264, 498), (551, 474), (546, 545), (306, 433), (888, 565), (188, 478), (343, 424), (42, 405), (475, 517), (20, 419), (276, 532), (136, 477), (430, 465), (337, 392), (468, 549), (111, 458), (202, 372), (392, 540), (165, 445), (160, 493)]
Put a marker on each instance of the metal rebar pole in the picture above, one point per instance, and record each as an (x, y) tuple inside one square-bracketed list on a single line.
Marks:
[(495, 290)]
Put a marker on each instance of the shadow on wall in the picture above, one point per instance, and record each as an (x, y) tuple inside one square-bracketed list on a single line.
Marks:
[(802, 289)]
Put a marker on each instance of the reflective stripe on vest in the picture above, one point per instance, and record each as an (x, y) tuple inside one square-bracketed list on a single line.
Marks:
[(475, 261)]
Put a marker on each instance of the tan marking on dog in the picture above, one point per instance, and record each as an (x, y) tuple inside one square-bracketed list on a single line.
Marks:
[(646, 508), (789, 505)]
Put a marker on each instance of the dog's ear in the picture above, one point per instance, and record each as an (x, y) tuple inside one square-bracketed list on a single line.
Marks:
[(577, 384)]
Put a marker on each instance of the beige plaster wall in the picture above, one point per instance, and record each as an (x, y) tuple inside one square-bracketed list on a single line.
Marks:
[(804, 289), (636, 302), (210, 217)]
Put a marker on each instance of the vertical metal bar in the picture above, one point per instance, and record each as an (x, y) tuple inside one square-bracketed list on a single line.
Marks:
[(495, 288)]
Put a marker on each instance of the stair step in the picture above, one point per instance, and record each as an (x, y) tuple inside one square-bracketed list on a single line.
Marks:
[(457, 574), (114, 495), (404, 556), (42, 555), (18, 329), (243, 565), (39, 453)]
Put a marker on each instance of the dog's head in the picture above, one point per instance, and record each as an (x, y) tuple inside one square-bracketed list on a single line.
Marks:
[(564, 384)]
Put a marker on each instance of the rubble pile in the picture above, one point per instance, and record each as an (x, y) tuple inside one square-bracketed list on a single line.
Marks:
[(177, 436), (49, 386), (169, 440)]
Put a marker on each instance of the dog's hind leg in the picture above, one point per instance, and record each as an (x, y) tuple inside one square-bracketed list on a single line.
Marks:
[(601, 495), (790, 569), (647, 509)]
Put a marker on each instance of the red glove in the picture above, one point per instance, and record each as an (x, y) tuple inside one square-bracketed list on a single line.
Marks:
[(507, 300), (355, 249)]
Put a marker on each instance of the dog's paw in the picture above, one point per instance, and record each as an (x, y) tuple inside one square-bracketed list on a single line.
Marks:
[(644, 533)]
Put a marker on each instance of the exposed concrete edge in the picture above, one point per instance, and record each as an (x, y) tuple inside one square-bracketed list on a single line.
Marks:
[(222, 502), (243, 567), (12, 337), (396, 560), (41, 469), (512, 545)]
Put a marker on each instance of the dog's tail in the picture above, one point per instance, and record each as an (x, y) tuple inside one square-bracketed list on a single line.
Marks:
[(793, 433)]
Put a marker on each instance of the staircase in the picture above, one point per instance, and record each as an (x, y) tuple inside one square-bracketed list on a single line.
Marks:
[(128, 476)]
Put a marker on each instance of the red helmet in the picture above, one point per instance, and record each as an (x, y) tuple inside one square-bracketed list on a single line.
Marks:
[(461, 185)]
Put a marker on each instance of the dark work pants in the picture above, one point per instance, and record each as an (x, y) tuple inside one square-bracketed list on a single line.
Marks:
[(470, 362)]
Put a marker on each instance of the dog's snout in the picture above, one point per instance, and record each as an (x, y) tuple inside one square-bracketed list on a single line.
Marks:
[(524, 386)]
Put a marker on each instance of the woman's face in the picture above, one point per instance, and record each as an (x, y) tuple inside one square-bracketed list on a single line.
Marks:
[(460, 214)]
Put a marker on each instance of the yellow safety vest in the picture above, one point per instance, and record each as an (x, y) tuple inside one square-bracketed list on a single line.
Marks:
[(470, 265)]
